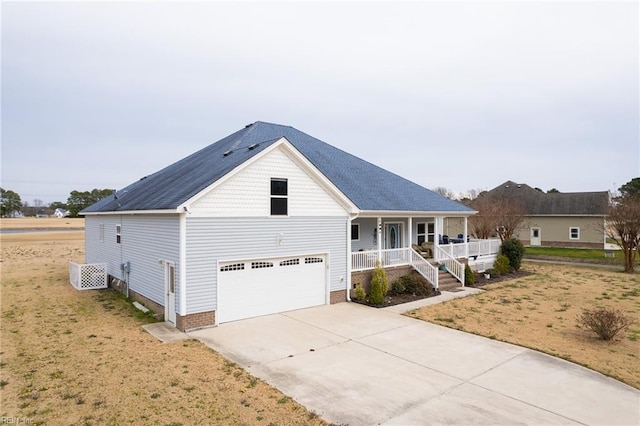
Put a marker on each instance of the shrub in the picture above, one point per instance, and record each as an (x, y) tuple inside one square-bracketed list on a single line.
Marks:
[(379, 277), (416, 284), (605, 322), (398, 287), (502, 265), (376, 296), (469, 276), (359, 292), (493, 272), (514, 250)]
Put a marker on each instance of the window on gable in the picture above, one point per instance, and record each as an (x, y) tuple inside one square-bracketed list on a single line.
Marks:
[(279, 200), (574, 233), (118, 234), (355, 231)]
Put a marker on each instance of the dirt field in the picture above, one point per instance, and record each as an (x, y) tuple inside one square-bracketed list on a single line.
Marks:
[(539, 312), (72, 357), (41, 223)]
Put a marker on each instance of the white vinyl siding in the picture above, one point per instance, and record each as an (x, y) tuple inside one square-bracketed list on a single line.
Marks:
[(145, 240), (227, 240), (248, 192)]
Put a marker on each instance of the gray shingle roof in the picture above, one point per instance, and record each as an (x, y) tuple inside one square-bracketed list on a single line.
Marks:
[(369, 187), (535, 202)]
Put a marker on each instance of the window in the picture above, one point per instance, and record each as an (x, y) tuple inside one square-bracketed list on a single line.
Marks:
[(355, 232), (574, 233), (101, 232), (279, 192), (118, 234), (260, 265), (232, 267), (422, 233), (290, 262), (313, 260), (425, 232)]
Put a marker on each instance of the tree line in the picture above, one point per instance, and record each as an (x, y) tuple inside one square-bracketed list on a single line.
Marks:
[(11, 204)]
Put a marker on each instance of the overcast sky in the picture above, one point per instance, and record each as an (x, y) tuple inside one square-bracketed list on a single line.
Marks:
[(461, 95)]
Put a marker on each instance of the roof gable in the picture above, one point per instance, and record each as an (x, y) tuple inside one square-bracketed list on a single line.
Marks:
[(369, 187)]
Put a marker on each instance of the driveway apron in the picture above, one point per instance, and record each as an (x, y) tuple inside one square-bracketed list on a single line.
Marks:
[(357, 365)]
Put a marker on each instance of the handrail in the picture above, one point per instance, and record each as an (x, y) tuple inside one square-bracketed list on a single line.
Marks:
[(454, 267), (424, 268)]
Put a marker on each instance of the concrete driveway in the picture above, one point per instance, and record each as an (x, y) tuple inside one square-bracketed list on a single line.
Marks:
[(362, 366)]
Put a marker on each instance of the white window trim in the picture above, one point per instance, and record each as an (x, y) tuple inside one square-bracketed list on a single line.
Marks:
[(426, 231), (571, 228), (118, 234), (286, 197)]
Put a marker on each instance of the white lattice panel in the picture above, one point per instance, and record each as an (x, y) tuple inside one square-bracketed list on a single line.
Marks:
[(88, 276)]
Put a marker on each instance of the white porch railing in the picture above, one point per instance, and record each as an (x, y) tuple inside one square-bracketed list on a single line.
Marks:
[(454, 267), (476, 248), (88, 276), (425, 268), (363, 260)]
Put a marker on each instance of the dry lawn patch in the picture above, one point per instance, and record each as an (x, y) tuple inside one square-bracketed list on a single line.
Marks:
[(41, 223), (539, 311), (81, 357)]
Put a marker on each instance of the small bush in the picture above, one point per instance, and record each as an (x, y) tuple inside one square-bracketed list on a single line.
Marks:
[(493, 272), (514, 250), (398, 287), (605, 322), (376, 296), (502, 265), (359, 292), (469, 276), (379, 278), (416, 284)]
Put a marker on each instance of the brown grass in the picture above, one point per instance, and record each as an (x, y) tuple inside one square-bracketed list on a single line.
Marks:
[(81, 357), (540, 311), (41, 223)]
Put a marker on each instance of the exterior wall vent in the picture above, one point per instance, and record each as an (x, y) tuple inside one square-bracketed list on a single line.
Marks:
[(227, 153), (253, 146)]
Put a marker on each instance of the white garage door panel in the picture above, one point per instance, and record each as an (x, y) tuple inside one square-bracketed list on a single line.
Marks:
[(266, 286)]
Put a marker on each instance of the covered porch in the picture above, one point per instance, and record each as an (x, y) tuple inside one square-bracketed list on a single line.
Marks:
[(392, 242)]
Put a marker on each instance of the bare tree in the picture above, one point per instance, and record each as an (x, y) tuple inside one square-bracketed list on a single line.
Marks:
[(495, 215), (445, 192), (623, 226)]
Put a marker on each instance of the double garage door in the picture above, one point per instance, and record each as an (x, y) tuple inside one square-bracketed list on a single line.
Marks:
[(252, 288)]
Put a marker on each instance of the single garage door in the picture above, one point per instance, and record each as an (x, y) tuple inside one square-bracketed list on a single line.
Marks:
[(252, 288)]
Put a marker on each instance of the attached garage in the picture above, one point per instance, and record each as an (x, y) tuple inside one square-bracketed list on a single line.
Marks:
[(258, 287)]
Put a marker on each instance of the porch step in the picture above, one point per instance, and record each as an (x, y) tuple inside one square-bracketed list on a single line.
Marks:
[(447, 282)]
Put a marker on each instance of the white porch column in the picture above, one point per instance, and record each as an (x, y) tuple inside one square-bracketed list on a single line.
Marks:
[(466, 241), (409, 231), (379, 230), (436, 237)]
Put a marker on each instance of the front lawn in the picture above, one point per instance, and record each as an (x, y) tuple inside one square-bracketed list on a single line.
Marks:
[(595, 255), (539, 311), (82, 358)]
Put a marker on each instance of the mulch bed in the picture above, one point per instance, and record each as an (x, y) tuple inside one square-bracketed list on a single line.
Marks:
[(396, 299), (482, 281)]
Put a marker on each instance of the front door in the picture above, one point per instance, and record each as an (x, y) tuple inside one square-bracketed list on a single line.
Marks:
[(170, 287), (393, 235), (536, 237)]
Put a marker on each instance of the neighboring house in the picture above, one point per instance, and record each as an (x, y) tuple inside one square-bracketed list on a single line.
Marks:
[(560, 219), (266, 220), (60, 213)]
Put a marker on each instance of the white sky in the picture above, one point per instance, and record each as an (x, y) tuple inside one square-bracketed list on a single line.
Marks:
[(461, 95)]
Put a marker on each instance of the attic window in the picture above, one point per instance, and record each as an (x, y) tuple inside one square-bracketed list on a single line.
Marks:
[(227, 153), (279, 193), (253, 146)]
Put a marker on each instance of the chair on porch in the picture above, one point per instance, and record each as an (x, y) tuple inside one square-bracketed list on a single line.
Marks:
[(423, 250)]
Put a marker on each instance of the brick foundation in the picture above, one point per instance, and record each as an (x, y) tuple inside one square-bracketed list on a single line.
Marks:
[(338, 296), (195, 321), (121, 286), (364, 277)]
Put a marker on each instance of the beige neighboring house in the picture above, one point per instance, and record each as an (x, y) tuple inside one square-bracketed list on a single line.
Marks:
[(561, 219)]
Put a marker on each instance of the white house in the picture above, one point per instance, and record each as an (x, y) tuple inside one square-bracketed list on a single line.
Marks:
[(60, 213), (266, 220)]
